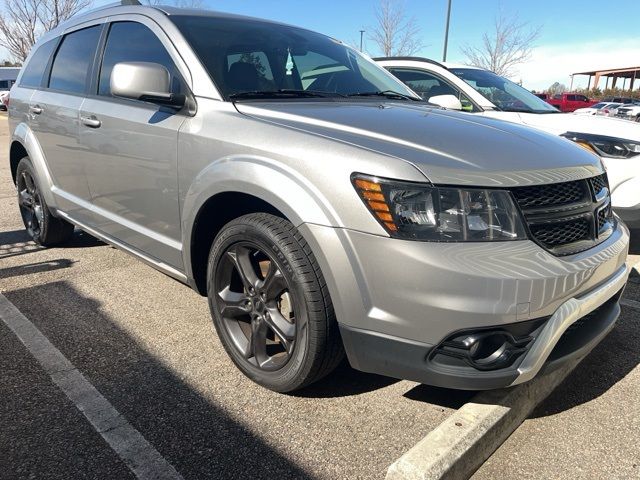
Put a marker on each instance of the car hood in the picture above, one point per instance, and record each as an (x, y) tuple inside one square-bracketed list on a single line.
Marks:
[(560, 123), (448, 147)]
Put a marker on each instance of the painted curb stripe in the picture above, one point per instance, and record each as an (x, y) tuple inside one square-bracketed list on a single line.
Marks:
[(128, 443)]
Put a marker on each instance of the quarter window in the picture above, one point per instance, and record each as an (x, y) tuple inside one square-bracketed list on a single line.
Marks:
[(70, 70), (34, 70), (133, 42)]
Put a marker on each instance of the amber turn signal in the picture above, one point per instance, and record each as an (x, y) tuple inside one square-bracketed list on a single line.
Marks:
[(371, 194)]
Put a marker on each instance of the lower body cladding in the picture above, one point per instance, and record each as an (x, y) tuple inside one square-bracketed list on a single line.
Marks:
[(470, 316)]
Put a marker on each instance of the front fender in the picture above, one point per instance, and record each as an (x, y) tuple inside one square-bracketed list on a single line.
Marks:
[(275, 183), (25, 136)]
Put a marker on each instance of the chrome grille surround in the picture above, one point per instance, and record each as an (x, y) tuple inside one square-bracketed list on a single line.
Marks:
[(569, 217)]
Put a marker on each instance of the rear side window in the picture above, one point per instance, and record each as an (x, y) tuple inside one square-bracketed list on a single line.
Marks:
[(34, 70), (133, 42), (70, 70)]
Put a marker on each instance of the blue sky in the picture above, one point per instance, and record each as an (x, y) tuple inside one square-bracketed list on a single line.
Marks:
[(576, 35)]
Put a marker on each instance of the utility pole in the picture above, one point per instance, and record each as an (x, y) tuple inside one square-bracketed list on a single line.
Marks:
[(361, 34), (446, 33)]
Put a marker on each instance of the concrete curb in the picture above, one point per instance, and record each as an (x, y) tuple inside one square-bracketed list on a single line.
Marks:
[(464, 441)]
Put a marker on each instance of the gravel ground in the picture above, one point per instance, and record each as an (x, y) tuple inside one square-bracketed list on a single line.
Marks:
[(147, 343)]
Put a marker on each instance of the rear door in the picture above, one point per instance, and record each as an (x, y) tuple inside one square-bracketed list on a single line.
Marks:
[(130, 148), (54, 118)]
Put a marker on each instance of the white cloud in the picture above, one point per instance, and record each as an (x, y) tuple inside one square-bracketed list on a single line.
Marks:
[(551, 63)]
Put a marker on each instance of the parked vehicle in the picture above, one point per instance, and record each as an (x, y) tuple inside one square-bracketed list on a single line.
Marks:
[(4, 99), (630, 111), (608, 110), (621, 99), (337, 214), (569, 102), (593, 110), (543, 96), (485, 94)]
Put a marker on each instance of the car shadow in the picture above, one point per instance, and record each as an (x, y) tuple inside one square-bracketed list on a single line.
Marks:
[(36, 267), (634, 243), (198, 437), (345, 381), (18, 242)]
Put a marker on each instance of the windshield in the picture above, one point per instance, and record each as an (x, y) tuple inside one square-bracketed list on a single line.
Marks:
[(502, 92), (598, 106), (245, 56)]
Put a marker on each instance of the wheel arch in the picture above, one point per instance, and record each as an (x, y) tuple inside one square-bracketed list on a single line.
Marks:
[(212, 216), (24, 143), (235, 186)]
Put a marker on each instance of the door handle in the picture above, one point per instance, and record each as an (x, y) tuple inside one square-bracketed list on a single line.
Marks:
[(35, 109), (91, 121)]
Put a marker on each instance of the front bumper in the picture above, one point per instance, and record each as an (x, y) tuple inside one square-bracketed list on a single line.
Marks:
[(397, 301)]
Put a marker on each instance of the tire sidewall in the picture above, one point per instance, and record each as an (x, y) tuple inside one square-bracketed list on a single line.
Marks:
[(25, 164), (290, 375)]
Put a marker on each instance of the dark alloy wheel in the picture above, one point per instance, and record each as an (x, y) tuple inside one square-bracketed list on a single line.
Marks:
[(42, 226), (255, 305), (270, 303), (30, 203)]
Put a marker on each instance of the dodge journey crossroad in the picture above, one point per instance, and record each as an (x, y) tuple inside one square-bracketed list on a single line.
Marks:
[(320, 205)]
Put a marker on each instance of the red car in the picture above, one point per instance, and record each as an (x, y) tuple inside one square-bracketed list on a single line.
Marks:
[(568, 102)]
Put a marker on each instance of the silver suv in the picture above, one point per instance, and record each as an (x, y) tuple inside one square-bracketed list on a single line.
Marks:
[(320, 205)]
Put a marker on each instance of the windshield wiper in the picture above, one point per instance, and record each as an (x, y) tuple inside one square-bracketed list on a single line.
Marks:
[(386, 94), (284, 93)]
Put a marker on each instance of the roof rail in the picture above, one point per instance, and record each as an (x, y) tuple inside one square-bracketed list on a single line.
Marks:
[(415, 59)]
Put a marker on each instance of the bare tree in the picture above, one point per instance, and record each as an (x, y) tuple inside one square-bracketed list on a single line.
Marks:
[(23, 21), (509, 45), (395, 32), (557, 87)]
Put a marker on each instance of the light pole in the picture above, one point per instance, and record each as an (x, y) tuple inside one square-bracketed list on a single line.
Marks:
[(361, 34), (446, 33)]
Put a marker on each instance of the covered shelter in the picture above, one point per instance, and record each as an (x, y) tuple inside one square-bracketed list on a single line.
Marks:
[(631, 73)]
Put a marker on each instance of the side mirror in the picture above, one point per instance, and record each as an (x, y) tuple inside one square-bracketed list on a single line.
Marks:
[(148, 82), (450, 102)]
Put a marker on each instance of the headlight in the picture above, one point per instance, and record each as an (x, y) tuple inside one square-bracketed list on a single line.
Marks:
[(417, 211), (608, 147)]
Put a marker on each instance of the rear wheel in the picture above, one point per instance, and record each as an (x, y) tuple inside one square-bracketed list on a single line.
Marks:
[(41, 225), (270, 303)]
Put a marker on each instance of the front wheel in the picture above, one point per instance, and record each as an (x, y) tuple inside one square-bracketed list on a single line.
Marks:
[(270, 303), (41, 225)]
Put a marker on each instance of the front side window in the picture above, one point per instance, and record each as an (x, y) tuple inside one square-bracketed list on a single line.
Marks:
[(503, 93), (34, 70), (132, 42), (244, 56), (70, 70), (428, 85)]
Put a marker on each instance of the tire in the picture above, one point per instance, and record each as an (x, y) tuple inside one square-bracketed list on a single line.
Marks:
[(265, 286), (41, 225), (637, 119)]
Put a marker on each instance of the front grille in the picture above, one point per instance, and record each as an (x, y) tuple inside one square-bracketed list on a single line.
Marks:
[(598, 183), (557, 234), (568, 217), (543, 195)]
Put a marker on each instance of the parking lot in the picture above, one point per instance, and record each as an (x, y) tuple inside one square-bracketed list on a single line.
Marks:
[(148, 346)]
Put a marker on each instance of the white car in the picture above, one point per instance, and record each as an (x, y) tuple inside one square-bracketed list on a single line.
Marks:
[(594, 109), (630, 111), (481, 92), (609, 110)]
